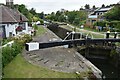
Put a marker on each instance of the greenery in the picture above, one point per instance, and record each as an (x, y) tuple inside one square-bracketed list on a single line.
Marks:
[(35, 26), (40, 30), (113, 17), (100, 23), (113, 14), (5, 41), (22, 39), (90, 29), (87, 6), (113, 52), (20, 68), (31, 14), (72, 17), (8, 53)]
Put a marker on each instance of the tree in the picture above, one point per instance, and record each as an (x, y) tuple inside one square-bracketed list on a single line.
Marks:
[(35, 19), (61, 18), (22, 8), (103, 5), (52, 16), (71, 16), (81, 8), (113, 14), (94, 7), (41, 15), (76, 21), (87, 6), (57, 15), (32, 11)]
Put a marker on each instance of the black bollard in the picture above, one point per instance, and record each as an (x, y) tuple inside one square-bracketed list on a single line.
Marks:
[(115, 35), (107, 34)]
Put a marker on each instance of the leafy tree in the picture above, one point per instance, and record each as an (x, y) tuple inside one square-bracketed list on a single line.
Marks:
[(76, 21), (81, 8), (28, 13), (52, 16), (103, 6), (94, 7), (87, 6), (71, 16), (41, 15), (61, 18), (35, 19), (118, 26), (100, 23), (22, 8), (57, 15), (113, 14), (32, 11)]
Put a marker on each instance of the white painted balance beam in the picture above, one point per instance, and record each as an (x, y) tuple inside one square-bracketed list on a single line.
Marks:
[(32, 46)]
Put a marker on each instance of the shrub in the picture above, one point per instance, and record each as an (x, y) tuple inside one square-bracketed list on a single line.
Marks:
[(22, 39), (41, 21), (8, 53), (27, 38), (35, 26), (100, 23)]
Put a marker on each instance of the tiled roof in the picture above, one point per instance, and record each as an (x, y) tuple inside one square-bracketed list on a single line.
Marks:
[(10, 15)]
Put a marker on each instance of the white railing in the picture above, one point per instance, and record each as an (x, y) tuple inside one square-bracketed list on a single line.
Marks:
[(8, 44), (111, 34)]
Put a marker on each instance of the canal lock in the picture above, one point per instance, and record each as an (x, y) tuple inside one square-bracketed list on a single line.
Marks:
[(104, 58)]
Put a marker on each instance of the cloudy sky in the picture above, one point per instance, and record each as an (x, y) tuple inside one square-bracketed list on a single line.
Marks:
[(48, 6)]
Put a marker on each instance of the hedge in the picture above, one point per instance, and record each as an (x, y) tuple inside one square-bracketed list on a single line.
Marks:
[(8, 53)]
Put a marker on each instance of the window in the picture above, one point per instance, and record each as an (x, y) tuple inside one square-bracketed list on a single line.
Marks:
[(22, 25)]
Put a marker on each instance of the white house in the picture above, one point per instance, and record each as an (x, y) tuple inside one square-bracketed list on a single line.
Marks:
[(97, 15), (12, 22)]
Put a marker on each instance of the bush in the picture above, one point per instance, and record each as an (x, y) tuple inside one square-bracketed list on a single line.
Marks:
[(8, 53), (100, 23), (22, 39), (41, 21), (5, 41), (35, 26)]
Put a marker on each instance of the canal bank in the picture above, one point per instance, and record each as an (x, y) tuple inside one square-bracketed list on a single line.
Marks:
[(104, 64)]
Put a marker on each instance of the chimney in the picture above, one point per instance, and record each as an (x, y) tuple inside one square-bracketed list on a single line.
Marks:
[(9, 3)]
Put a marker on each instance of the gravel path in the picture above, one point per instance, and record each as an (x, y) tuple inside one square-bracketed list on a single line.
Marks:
[(56, 58)]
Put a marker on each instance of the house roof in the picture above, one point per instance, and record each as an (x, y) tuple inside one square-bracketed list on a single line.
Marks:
[(103, 9), (10, 15)]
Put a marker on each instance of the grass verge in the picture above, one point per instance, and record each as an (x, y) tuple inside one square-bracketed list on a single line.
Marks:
[(40, 30), (20, 68)]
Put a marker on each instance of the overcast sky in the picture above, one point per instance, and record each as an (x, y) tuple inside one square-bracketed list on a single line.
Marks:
[(48, 6)]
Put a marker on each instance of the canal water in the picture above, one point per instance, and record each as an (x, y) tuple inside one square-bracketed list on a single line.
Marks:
[(108, 70)]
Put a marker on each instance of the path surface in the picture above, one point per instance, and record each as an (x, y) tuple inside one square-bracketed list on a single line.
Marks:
[(57, 58)]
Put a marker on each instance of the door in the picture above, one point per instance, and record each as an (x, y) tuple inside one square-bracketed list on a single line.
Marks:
[(2, 32)]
